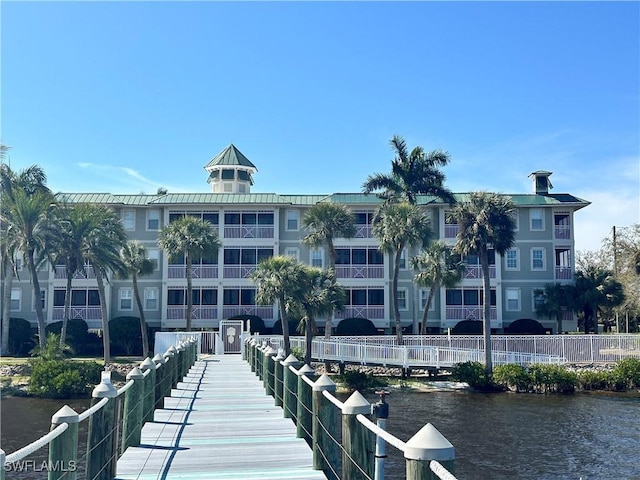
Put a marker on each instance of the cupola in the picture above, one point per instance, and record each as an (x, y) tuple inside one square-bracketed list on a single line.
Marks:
[(230, 172), (541, 182)]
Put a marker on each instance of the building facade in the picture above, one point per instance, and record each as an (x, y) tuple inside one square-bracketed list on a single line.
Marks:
[(254, 226)]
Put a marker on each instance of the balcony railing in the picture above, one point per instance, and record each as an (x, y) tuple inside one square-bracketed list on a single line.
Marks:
[(85, 313), (475, 271), (360, 271), (450, 231), (266, 313), (199, 312), (467, 312), (86, 273), (248, 232), (563, 273), (562, 232), (361, 311), (198, 271), (238, 271), (363, 231)]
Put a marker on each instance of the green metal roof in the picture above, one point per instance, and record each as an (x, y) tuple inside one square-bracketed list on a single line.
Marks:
[(238, 198), (230, 156), (101, 198), (304, 199)]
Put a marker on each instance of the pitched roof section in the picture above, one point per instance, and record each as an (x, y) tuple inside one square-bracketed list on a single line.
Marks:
[(230, 156), (101, 198), (220, 198)]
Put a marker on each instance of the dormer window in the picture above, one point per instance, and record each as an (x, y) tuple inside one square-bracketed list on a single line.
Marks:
[(541, 182)]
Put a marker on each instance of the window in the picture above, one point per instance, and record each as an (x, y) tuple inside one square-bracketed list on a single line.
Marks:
[(317, 257), (153, 219), (513, 299), (239, 296), (126, 299), (403, 259), (402, 299), (538, 299), (292, 220), (43, 301), (129, 219), (537, 259), (18, 261), (153, 254), (424, 296), (151, 299), (292, 252), (16, 299), (537, 219), (512, 259), (516, 219)]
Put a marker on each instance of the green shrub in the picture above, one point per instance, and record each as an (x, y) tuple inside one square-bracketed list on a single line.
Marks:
[(62, 378), (552, 379), (298, 353), (512, 376), (472, 373), (125, 336), (356, 380), (526, 326), (77, 333), (21, 338), (595, 380), (52, 349), (468, 327), (627, 372), (356, 326)]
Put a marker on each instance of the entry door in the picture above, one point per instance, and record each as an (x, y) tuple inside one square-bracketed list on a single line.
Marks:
[(231, 334)]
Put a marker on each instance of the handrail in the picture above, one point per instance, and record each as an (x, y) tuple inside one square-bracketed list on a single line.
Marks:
[(442, 473), (37, 445), (87, 413), (388, 437), (125, 387)]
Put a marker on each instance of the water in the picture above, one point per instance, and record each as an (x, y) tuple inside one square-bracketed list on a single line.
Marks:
[(496, 436)]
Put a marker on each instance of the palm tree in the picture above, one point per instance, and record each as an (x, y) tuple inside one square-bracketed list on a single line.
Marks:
[(556, 297), (594, 290), (193, 238), (437, 267), (279, 279), (398, 226), (325, 222), (412, 173), (101, 248), (136, 263), (485, 220)]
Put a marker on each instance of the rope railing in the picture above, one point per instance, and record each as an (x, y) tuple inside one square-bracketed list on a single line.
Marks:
[(115, 418)]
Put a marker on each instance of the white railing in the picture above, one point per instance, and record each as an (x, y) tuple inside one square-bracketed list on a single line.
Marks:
[(198, 313), (466, 312), (238, 271), (360, 271), (475, 271), (85, 313), (248, 232), (357, 311), (197, 271)]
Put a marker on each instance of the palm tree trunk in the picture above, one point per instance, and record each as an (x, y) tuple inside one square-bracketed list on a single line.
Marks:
[(394, 296), (105, 319), (285, 325), (328, 324), (486, 296), (42, 327), (67, 307), (189, 314), (6, 303), (423, 329), (143, 322), (308, 339)]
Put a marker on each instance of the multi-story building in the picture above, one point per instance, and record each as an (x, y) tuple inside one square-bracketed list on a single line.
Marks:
[(253, 226)]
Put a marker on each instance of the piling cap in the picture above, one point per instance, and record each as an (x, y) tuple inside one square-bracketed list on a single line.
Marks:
[(306, 370), (148, 364), (135, 374), (290, 360), (429, 444), (65, 414), (172, 349), (270, 351), (324, 383), (181, 347), (105, 388), (158, 359), (356, 404), (280, 355)]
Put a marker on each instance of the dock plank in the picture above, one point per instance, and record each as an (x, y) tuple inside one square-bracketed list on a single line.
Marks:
[(219, 424)]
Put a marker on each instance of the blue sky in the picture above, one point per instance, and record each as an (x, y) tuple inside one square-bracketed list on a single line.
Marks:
[(128, 97)]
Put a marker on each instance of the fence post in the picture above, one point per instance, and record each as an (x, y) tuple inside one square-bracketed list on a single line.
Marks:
[(290, 389), (63, 450), (426, 445), (265, 364), (169, 356), (161, 371), (268, 370), (278, 373), (149, 389), (133, 405), (356, 439), (182, 357), (101, 451), (324, 426), (304, 412)]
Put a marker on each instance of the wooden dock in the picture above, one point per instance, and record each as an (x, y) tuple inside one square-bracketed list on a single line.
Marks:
[(219, 424)]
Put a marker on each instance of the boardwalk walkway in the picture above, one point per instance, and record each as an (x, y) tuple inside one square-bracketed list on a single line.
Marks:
[(219, 424)]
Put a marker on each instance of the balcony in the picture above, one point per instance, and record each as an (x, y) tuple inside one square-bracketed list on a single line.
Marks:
[(198, 313), (238, 271), (562, 232), (468, 312), (199, 271), (248, 231), (363, 231), (361, 311), (563, 273), (266, 313), (475, 271), (85, 313), (86, 273), (450, 231), (360, 271)]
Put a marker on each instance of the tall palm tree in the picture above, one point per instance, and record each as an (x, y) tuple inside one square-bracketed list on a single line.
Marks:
[(437, 266), (556, 297), (191, 237), (279, 279), (136, 263), (594, 290), (101, 248), (325, 222), (485, 220), (412, 173), (397, 226)]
